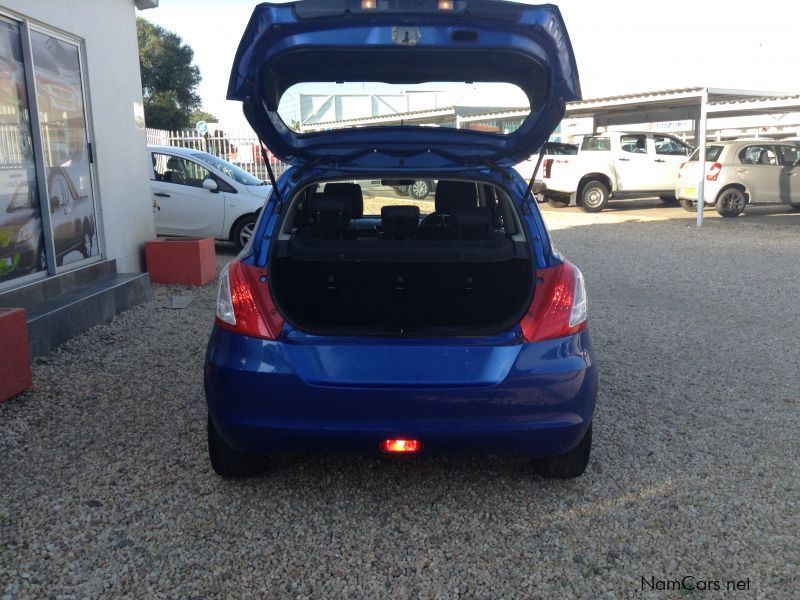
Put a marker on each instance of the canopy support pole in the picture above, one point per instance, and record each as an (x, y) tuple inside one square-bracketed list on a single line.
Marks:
[(701, 186)]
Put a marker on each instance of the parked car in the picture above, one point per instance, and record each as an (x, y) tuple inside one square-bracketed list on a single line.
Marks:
[(461, 332), (418, 189), (551, 149), (198, 194), (72, 218), (743, 172), (614, 166)]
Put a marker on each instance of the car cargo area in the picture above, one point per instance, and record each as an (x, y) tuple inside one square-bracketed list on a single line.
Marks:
[(455, 264)]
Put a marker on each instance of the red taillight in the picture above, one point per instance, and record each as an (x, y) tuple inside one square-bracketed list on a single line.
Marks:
[(244, 302), (546, 168), (401, 446), (714, 171), (559, 306)]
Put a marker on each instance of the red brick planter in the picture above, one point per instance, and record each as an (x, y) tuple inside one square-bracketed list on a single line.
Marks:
[(15, 353), (181, 261)]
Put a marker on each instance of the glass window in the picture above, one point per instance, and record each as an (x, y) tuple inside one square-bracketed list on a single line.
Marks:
[(173, 169), (21, 242), (758, 155), (596, 144), (232, 171), (790, 155), (669, 146), (637, 144), (62, 118), (314, 106), (712, 154)]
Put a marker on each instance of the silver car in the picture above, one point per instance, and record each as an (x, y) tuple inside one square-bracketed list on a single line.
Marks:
[(743, 172)]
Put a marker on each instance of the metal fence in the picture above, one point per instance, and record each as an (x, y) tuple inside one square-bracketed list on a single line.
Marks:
[(238, 147)]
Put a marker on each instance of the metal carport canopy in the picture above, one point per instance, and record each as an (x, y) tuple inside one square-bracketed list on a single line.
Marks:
[(695, 104)]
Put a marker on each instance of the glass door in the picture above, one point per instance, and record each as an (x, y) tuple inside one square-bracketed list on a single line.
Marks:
[(22, 245), (65, 146)]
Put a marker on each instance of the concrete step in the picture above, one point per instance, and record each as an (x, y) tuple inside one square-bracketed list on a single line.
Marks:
[(62, 307)]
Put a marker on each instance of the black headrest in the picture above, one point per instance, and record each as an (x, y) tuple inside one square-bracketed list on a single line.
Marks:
[(472, 223), (351, 191), (453, 196), (331, 215), (399, 222)]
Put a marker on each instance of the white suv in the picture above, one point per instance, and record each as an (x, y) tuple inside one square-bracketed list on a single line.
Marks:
[(743, 172)]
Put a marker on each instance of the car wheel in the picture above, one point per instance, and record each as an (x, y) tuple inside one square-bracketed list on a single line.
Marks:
[(230, 463), (569, 465), (731, 202), (86, 244), (244, 231), (419, 190), (41, 258), (401, 190), (668, 199), (557, 201), (594, 196), (689, 205)]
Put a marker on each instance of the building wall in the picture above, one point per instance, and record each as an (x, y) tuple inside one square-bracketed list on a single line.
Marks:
[(108, 28)]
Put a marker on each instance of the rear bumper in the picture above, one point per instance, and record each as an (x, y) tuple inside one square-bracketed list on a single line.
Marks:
[(689, 192), (260, 404)]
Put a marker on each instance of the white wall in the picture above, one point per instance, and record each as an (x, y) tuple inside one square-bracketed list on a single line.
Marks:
[(108, 28)]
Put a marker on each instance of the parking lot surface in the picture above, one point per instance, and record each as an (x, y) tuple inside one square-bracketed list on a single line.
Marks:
[(105, 486)]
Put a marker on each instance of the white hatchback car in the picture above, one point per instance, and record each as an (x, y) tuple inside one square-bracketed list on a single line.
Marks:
[(197, 194), (743, 172)]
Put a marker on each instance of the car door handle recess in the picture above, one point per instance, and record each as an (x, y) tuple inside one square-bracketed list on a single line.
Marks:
[(624, 160), (660, 160), (161, 195)]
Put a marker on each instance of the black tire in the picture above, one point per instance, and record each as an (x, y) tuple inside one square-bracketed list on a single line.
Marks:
[(594, 196), (731, 202), (688, 205), (87, 242), (243, 231), (557, 201), (401, 190), (420, 189), (795, 206), (228, 462), (41, 258), (668, 199), (569, 465)]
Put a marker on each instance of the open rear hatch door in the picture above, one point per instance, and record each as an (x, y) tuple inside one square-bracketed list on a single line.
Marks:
[(404, 43)]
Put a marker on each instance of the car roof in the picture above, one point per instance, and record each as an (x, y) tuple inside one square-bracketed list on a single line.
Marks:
[(745, 141), (173, 149)]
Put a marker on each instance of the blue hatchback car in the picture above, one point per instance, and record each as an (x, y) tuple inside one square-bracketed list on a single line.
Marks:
[(391, 325)]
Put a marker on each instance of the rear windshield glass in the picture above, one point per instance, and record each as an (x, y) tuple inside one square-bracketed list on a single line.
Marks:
[(558, 148), (592, 144), (413, 209), (712, 154), (499, 108)]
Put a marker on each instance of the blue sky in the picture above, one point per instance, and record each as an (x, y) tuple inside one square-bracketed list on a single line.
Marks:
[(622, 46)]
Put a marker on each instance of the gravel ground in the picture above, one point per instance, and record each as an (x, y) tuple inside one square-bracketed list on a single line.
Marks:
[(105, 488)]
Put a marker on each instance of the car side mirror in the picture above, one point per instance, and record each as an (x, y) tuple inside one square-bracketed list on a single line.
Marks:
[(210, 185)]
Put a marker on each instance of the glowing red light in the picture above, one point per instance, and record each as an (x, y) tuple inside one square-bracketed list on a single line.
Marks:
[(401, 446)]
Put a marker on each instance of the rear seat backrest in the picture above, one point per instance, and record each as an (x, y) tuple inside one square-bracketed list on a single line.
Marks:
[(399, 222), (353, 193)]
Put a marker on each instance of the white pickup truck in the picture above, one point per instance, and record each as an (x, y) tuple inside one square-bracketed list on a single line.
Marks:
[(614, 166)]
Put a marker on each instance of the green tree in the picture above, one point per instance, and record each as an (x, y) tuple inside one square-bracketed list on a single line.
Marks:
[(201, 115), (169, 78)]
